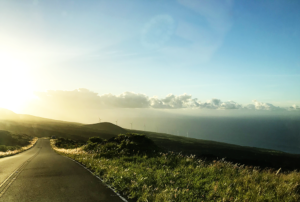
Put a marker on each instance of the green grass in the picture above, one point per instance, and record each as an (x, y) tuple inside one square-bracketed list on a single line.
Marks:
[(161, 176)]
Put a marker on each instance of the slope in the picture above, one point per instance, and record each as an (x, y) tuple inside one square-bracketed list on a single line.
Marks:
[(108, 127)]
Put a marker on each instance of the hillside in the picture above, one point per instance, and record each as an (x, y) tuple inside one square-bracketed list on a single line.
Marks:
[(41, 127), (108, 127), (8, 139), (7, 114), (218, 150), (5, 138)]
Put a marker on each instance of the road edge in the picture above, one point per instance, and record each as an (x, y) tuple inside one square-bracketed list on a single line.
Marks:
[(119, 195)]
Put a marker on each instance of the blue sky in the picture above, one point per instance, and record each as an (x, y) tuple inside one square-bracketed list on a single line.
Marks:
[(230, 50)]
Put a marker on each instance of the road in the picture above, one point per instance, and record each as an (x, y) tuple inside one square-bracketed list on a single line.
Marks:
[(40, 174)]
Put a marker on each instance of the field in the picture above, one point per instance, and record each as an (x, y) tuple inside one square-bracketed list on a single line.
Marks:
[(148, 175)]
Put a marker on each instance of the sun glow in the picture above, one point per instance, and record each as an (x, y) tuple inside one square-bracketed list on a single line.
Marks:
[(15, 83)]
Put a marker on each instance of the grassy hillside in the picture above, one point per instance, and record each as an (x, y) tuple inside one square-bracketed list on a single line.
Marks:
[(108, 127), (133, 165), (38, 128), (41, 127), (218, 150), (10, 141)]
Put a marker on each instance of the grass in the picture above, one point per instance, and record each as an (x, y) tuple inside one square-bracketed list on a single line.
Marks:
[(18, 150), (169, 176)]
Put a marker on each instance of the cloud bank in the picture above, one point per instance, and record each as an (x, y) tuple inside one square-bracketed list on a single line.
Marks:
[(86, 99)]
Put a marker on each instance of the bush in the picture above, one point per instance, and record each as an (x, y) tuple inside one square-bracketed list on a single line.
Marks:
[(122, 145), (4, 148), (135, 143), (67, 143), (96, 140), (8, 139), (90, 146)]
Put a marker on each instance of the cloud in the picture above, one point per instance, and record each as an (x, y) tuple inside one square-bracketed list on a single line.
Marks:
[(230, 105), (78, 99), (294, 108), (125, 100), (174, 102), (218, 104), (85, 99), (262, 106)]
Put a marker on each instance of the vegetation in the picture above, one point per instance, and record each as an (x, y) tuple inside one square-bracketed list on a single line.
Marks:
[(39, 127), (210, 150), (4, 148), (68, 143), (11, 144), (124, 145), (6, 138), (144, 174)]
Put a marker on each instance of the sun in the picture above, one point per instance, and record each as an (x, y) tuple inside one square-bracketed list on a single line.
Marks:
[(15, 82)]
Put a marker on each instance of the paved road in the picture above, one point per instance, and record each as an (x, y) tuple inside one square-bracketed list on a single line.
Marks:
[(40, 174)]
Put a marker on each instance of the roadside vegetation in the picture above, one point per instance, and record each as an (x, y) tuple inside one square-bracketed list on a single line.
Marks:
[(68, 143), (135, 167), (11, 144)]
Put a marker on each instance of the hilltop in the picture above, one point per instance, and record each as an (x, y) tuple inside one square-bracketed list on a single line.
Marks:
[(41, 127), (7, 114), (108, 127)]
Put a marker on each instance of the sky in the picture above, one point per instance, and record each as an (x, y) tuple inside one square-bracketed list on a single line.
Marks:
[(199, 54)]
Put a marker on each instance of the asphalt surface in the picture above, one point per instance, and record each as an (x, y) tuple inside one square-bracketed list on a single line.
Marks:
[(40, 174)]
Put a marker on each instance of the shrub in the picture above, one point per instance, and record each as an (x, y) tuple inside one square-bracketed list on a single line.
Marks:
[(122, 145), (8, 139), (67, 143), (90, 146), (134, 143), (4, 148), (96, 140)]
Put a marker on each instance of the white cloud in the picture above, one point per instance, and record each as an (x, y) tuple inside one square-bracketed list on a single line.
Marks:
[(230, 105), (86, 99), (125, 100), (218, 104), (174, 102), (262, 106)]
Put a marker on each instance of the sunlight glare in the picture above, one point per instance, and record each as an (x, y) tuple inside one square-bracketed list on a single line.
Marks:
[(15, 82)]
